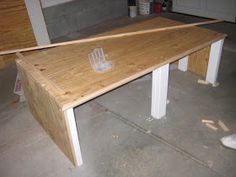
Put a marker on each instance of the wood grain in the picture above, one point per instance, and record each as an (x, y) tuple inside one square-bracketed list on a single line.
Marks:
[(133, 56), (39, 73), (45, 109), (112, 36), (198, 61), (15, 28), (2, 63)]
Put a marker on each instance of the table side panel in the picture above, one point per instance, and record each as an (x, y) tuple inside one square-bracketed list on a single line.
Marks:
[(46, 111), (198, 61)]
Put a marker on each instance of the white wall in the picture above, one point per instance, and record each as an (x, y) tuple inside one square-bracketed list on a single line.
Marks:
[(220, 9), (49, 3)]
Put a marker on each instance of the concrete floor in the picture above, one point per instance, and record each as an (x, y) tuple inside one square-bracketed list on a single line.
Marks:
[(117, 136)]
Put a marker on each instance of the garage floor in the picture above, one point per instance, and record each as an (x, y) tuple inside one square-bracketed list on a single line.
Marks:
[(118, 136)]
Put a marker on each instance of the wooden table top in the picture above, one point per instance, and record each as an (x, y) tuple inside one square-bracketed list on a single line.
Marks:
[(68, 77)]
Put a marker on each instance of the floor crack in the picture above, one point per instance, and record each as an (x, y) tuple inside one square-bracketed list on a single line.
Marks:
[(160, 139)]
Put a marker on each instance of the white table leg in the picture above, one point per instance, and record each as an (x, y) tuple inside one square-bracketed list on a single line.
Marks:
[(183, 64), (74, 136), (159, 91), (214, 62)]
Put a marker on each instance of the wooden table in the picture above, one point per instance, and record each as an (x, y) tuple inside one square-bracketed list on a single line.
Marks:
[(57, 80)]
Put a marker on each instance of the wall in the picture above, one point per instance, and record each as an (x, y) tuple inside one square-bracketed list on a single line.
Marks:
[(49, 3), (217, 9), (75, 15)]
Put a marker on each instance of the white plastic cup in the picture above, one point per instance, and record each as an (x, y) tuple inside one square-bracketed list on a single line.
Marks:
[(132, 11)]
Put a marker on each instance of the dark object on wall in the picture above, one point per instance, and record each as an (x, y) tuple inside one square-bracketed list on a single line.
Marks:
[(131, 2)]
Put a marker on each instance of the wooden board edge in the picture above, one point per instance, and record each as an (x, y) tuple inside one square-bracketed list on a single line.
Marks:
[(75, 103)]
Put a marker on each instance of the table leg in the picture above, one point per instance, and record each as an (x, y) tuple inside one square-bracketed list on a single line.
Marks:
[(159, 91), (214, 62), (183, 64), (73, 133)]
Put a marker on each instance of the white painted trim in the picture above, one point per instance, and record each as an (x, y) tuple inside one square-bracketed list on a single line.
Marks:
[(160, 78), (183, 64), (37, 21), (214, 61), (74, 135)]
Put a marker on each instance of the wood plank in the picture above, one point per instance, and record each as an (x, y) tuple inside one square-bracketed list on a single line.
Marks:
[(45, 109), (134, 56), (112, 36), (2, 63), (198, 61), (15, 27)]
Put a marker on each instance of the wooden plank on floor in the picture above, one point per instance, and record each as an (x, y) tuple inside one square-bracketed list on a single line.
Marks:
[(198, 61)]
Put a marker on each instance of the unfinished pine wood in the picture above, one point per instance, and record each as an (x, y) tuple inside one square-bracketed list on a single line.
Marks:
[(80, 41), (198, 61), (15, 28), (134, 56), (39, 73), (2, 63), (45, 109)]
